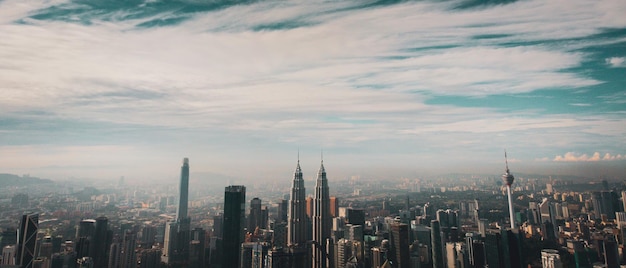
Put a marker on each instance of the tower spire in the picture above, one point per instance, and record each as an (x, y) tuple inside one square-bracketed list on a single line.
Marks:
[(298, 166)]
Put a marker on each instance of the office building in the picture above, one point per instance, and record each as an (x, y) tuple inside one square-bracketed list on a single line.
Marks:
[(321, 220), (255, 218), (400, 245), (234, 220), (99, 245), (26, 239), (437, 244), (296, 218), (550, 258), (176, 243)]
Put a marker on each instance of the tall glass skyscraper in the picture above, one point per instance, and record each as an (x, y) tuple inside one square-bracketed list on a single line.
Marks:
[(183, 200), (26, 238), (321, 219), (297, 211), (234, 220), (437, 245), (100, 243), (176, 242)]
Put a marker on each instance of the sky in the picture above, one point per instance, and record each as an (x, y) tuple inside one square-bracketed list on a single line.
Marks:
[(385, 89)]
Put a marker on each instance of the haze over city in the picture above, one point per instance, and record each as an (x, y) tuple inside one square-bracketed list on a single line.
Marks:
[(103, 89)]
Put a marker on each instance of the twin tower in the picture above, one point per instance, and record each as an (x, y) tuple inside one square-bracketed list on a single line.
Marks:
[(321, 218)]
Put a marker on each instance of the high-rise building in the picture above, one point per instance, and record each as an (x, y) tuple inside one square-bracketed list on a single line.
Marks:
[(605, 203), (197, 248), (493, 249), (128, 257), (26, 238), (234, 220), (508, 180), (296, 217), (255, 218), (437, 245), (86, 228), (309, 207), (400, 245), (99, 246), (176, 244), (512, 248), (283, 211), (334, 206), (321, 220), (8, 255), (183, 197), (611, 253)]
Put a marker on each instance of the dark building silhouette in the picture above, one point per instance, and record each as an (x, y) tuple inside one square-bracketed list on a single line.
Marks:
[(256, 217), (283, 210), (150, 258), (234, 219), (26, 239), (493, 249), (477, 254), (437, 244), (197, 248), (400, 245), (86, 228), (9, 237), (355, 216), (128, 257), (603, 204), (611, 253), (100, 243), (512, 249)]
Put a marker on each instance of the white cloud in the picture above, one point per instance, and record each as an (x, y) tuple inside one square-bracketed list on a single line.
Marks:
[(616, 62), (575, 157), (351, 76)]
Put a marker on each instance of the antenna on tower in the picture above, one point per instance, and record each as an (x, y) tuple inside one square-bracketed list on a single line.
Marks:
[(322, 155), (298, 155), (506, 162)]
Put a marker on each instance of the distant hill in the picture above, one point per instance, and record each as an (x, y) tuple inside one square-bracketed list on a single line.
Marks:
[(15, 180)]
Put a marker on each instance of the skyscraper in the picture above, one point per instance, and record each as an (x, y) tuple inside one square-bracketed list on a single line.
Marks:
[(297, 211), (437, 245), (26, 238), (128, 257), (400, 245), (234, 219), (183, 199), (334, 206), (100, 243), (176, 244), (321, 219), (255, 218), (508, 180)]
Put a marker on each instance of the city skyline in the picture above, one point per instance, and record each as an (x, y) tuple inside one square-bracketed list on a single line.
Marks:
[(389, 90)]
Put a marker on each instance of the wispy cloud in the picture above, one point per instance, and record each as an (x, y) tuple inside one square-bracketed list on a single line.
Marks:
[(338, 74)]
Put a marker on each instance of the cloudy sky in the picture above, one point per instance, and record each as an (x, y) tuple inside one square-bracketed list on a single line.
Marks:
[(103, 89)]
